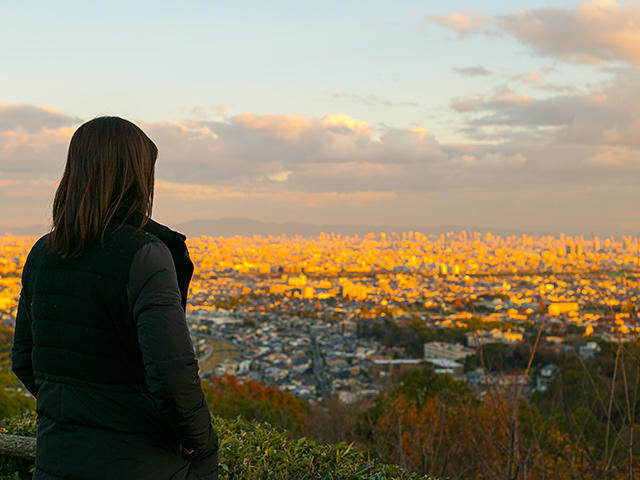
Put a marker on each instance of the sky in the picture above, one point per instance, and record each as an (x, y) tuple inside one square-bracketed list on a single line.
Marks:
[(521, 115)]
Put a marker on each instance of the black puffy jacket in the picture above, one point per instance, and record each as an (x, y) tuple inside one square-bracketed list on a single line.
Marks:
[(101, 341)]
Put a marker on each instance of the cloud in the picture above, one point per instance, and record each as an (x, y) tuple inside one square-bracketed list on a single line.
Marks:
[(464, 23), (284, 127), (515, 138), (609, 115), (198, 192), (587, 139), (503, 99), (474, 71), (42, 153), (33, 141), (343, 124), (280, 176), (614, 156), (32, 119), (466, 104), (205, 112), (285, 149), (27, 189), (340, 164), (592, 32), (532, 78), (538, 80), (372, 100)]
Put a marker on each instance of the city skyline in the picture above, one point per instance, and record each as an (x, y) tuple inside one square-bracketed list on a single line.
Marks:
[(520, 116)]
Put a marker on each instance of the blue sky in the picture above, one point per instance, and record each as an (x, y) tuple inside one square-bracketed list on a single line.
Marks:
[(428, 140), (156, 61)]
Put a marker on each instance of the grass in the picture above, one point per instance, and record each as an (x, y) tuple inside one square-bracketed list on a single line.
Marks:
[(252, 450)]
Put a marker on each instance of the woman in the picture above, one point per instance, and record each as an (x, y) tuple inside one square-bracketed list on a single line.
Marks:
[(101, 339)]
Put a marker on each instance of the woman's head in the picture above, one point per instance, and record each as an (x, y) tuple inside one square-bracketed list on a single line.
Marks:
[(110, 166)]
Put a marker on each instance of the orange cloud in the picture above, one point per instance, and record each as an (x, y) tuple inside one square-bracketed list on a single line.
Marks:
[(285, 127), (343, 121), (291, 127), (610, 156), (463, 23), (592, 32)]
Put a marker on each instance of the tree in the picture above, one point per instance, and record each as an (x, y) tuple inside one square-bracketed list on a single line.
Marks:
[(229, 397)]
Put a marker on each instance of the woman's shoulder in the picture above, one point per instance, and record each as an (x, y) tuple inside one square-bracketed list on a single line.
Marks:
[(40, 246), (35, 255), (42, 241)]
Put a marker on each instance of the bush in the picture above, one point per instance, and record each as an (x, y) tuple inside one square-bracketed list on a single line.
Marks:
[(12, 468), (13, 398), (250, 450), (230, 398)]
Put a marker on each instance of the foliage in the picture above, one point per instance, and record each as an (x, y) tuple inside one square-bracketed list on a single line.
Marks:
[(432, 423), (26, 425), (228, 397), (421, 384), (250, 450), (6, 337), (391, 334), (411, 336), (502, 357), (411, 424), (595, 404), (13, 398), (332, 421), (583, 427)]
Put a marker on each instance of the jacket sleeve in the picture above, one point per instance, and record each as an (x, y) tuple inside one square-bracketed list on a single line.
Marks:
[(171, 368), (22, 346)]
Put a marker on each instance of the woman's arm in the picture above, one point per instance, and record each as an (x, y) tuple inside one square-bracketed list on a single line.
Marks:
[(167, 352), (22, 346)]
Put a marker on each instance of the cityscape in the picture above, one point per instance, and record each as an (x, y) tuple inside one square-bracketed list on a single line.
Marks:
[(414, 229), (301, 313)]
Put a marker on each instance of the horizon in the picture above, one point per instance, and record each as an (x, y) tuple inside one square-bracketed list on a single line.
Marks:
[(243, 227), (521, 116)]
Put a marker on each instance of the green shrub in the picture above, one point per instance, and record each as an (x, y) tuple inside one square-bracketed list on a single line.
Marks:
[(13, 398), (12, 468), (252, 450)]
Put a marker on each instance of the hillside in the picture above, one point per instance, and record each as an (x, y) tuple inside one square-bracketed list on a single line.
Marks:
[(252, 450)]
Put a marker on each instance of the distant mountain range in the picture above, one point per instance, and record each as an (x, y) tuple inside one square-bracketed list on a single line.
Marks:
[(228, 227)]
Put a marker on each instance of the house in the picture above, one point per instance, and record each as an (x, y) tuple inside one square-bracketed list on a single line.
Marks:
[(589, 350), (545, 375)]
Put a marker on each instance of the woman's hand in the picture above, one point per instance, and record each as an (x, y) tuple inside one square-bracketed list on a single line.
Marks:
[(186, 452)]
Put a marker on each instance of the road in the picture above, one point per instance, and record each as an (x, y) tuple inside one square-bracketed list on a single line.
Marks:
[(318, 368)]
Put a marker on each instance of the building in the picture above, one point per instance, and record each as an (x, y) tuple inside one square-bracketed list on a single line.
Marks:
[(558, 308), (385, 366), (448, 351), (545, 376), (589, 350), (444, 365), (495, 335)]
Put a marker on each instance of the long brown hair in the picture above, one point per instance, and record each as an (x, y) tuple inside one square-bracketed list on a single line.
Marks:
[(110, 167)]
